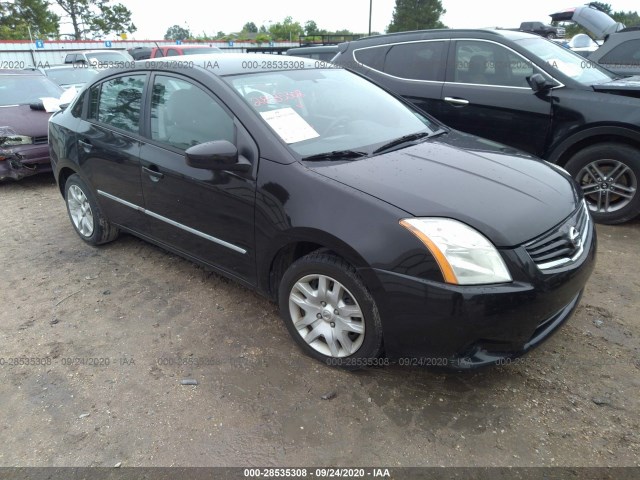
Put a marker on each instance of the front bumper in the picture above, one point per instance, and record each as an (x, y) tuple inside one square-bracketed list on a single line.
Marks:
[(462, 327), (23, 161)]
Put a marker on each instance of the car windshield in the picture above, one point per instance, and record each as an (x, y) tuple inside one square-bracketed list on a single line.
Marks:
[(106, 57), (320, 111), (25, 89), (566, 62), (71, 76)]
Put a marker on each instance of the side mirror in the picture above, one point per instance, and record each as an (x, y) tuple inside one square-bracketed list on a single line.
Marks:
[(217, 155), (539, 83)]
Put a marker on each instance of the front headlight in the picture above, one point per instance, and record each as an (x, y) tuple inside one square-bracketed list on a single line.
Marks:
[(464, 255), (12, 140)]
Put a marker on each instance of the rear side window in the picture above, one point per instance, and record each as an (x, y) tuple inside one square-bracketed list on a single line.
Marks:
[(416, 61), (117, 102), (626, 54)]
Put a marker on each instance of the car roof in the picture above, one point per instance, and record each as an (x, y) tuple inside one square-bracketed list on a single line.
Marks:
[(233, 63), (314, 49), (443, 33), (67, 66), (187, 46)]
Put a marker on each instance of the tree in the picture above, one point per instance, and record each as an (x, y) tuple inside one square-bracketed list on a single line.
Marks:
[(630, 19), (20, 16), (250, 27), (287, 30), (262, 38), (416, 15), (311, 28), (176, 32), (97, 17)]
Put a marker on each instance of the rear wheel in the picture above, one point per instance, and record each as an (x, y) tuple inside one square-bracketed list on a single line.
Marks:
[(85, 214), (329, 312), (608, 174)]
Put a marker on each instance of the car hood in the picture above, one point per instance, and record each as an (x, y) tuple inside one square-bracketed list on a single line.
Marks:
[(629, 86), (507, 195), (24, 121), (595, 21)]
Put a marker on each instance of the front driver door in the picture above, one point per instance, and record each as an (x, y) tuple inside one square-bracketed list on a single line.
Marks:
[(206, 214), (487, 94)]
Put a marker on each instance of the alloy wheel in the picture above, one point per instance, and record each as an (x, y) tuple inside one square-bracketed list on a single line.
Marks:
[(608, 185), (327, 316), (80, 211)]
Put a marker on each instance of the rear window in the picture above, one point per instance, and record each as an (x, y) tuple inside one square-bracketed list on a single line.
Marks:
[(372, 57), (198, 51), (626, 54)]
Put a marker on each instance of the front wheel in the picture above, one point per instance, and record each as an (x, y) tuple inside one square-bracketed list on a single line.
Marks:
[(608, 174), (329, 312), (85, 214), (551, 35)]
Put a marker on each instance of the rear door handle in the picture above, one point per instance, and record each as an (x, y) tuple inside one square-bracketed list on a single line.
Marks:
[(153, 172), (456, 101), (85, 145)]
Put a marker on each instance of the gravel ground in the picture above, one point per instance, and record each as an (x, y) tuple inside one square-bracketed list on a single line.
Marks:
[(110, 333)]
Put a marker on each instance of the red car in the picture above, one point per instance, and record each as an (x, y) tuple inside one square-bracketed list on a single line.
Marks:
[(173, 50), (24, 149)]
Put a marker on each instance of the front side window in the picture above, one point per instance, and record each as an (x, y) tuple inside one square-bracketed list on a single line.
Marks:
[(566, 62), (318, 111), (117, 102), (184, 115), (416, 61), (486, 63)]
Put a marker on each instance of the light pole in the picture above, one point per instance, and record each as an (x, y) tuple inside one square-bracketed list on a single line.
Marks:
[(370, 12)]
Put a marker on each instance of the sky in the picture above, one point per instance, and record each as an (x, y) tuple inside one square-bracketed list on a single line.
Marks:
[(210, 16)]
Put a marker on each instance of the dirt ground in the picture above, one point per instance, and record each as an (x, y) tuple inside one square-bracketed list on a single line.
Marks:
[(94, 344)]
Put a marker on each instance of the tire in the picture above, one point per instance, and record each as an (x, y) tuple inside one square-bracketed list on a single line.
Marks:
[(350, 342), (609, 174), (85, 214), (551, 35)]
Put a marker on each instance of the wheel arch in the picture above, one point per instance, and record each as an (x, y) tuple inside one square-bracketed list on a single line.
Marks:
[(592, 136), (63, 176), (297, 244)]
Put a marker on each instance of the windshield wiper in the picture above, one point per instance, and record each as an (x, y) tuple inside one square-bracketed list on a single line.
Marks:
[(336, 155), (412, 137)]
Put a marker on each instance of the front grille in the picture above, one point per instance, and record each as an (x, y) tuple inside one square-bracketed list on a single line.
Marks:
[(561, 32), (564, 244), (40, 140)]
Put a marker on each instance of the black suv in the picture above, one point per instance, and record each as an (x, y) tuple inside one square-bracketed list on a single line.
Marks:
[(523, 91)]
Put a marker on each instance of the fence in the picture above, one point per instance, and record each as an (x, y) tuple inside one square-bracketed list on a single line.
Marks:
[(23, 53)]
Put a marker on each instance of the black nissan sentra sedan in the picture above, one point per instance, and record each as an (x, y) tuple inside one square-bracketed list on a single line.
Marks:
[(381, 233)]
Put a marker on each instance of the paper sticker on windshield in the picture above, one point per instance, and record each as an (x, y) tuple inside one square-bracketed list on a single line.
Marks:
[(291, 127)]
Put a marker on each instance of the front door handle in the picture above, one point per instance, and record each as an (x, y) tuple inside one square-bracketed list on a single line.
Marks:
[(153, 172), (456, 101)]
